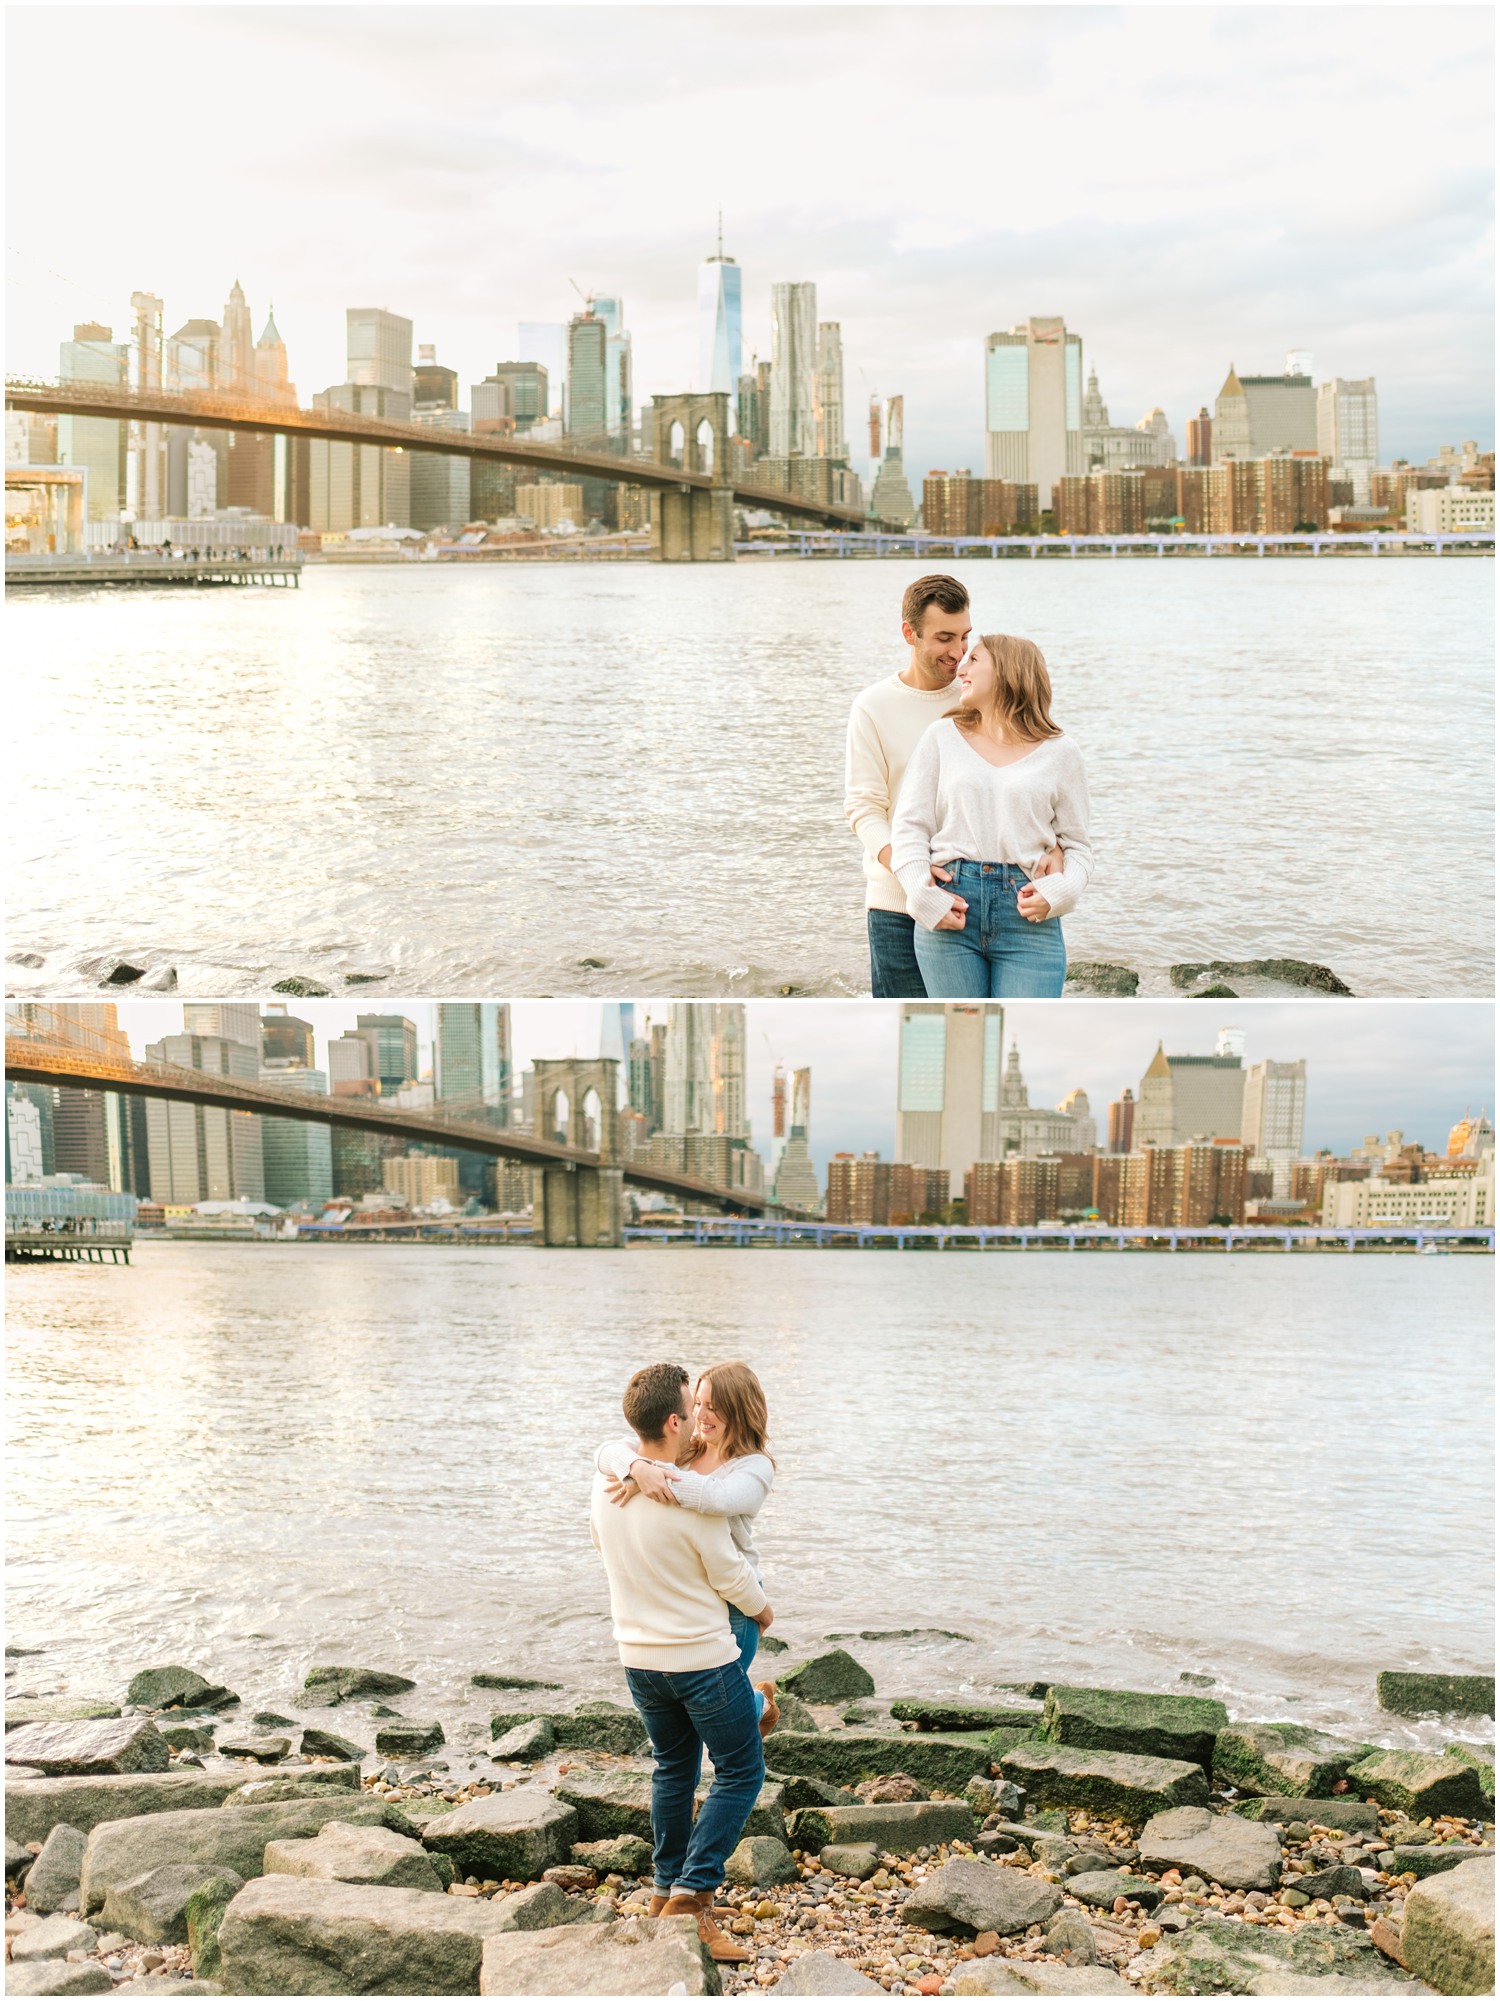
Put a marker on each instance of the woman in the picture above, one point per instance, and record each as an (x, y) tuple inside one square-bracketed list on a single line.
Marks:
[(729, 1473), (988, 791)]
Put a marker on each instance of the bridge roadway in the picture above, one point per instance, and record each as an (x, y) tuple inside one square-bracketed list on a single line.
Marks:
[(29, 1061), (213, 410)]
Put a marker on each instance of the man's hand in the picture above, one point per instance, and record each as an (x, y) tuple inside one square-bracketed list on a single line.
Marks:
[(621, 1492), (764, 1617), (954, 921), (655, 1478), (884, 857), (1051, 862), (1033, 906)]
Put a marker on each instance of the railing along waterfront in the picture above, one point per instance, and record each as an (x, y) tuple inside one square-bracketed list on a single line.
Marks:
[(920, 544), (786, 1233), (67, 1240), (149, 566)]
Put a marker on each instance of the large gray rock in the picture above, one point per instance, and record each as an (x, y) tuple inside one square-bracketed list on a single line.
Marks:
[(1214, 1955), (631, 1956), (1420, 1858), (57, 1976), (1418, 1784), (1348, 1815), (228, 1837), (76, 1750), (608, 1803), (759, 1861), (1283, 1758), (332, 1685), (407, 1739), (901, 1828), (33, 1807), (297, 1935), (340, 1853), (194, 1735), (306, 1782), (823, 1973), (532, 1739), (53, 1938), (176, 1688), (513, 1835), (1099, 1887), (1144, 1725), (1020, 1976), (205, 1913), (848, 1757), (320, 1743), (264, 1750), (56, 1709), (592, 1726), (1448, 1929), (623, 1854), (1113, 1783), (766, 1817), (537, 1908), (153, 1907), (982, 1895), (930, 1714), (52, 1884), (832, 1677), (1221, 1848)]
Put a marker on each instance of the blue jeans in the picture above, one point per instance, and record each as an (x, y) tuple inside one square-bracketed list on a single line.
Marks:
[(746, 1636), (683, 1714), (998, 955), (894, 973)]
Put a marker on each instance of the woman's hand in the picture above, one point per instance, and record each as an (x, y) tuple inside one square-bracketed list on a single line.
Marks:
[(1051, 863), (954, 921), (655, 1479), (1033, 906), (621, 1492)]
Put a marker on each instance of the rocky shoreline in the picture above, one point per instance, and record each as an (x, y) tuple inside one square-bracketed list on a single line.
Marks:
[(1056, 1840)]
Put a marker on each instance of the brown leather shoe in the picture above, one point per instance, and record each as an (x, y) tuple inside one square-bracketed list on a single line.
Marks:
[(772, 1713), (699, 1904), (658, 1905)]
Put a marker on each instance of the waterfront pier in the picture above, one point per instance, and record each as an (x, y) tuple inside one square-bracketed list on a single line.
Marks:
[(152, 566), (78, 1241)]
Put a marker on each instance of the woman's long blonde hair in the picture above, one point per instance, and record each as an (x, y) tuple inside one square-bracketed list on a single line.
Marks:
[(740, 1405), (1023, 690)]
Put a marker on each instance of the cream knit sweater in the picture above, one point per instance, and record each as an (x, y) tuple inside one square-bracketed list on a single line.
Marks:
[(885, 725), (670, 1573)]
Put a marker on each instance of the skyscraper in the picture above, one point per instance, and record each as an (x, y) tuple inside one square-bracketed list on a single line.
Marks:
[(393, 1049), (794, 325), (97, 444), (285, 1039), (1349, 430), (472, 1057), (1274, 1106), (616, 1038), (948, 1091), (1033, 399), (828, 392), (546, 343), (1200, 438), (729, 1070), (237, 353), (588, 374), (297, 1154), (379, 349), (796, 1184), (689, 1091), (719, 322), (1257, 414), (433, 386), (618, 389), (1191, 1097), (204, 1153), (890, 496), (1122, 1121)]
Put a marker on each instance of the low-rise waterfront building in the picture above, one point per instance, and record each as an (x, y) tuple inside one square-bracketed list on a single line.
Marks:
[(1450, 510), (1459, 1201)]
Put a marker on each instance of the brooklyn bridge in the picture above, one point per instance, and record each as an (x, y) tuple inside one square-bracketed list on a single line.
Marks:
[(575, 1150), (691, 466)]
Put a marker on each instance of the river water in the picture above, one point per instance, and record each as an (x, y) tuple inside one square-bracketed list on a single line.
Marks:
[(552, 779), (1277, 1471)]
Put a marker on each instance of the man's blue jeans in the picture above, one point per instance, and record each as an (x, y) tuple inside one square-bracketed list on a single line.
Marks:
[(746, 1636), (894, 972), (684, 1714), (998, 955)]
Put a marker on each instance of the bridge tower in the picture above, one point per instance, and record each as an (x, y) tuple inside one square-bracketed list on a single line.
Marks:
[(693, 525), (574, 1103)]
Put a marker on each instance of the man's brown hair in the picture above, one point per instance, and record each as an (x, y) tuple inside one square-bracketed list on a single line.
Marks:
[(947, 593), (652, 1395)]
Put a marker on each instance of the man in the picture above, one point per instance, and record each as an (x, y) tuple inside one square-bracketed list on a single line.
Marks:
[(884, 725), (671, 1572)]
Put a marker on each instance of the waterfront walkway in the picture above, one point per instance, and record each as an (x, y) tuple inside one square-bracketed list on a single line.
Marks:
[(922, 546), (101, 1244), (150, 566), (742, 1232)]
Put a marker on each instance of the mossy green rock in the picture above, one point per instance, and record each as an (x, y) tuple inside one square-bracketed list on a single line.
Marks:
[(1136, 1722), (1347, 1814), (1448, 1930), (205, 1913), (931, 1715), (591, 1727), (766, 1819), (1474, 1755), (846, 1757), (57, 1709), (176, 1688), (831, 1677), (347, 1684), (1429, 1858), (1417, 1784), (625, 1855), (1444, 1694), (900, 1827), (1214, 1955), (1117, 1783), (1284, 1758), (608, 1803)]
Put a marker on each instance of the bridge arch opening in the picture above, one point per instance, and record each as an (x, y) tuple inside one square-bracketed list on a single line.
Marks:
[(705, 445), (676, 444), (561, 1119), (593, 1124)]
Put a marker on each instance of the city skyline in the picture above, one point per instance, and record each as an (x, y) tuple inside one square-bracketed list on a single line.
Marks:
[(1416, 1066), (1137, 262)]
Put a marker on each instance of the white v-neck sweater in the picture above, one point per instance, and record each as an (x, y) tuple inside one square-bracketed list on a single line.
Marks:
[(957, 806)]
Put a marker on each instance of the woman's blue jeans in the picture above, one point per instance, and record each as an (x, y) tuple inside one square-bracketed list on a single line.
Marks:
[(998, 955), (747, 1638), (683, 1715)]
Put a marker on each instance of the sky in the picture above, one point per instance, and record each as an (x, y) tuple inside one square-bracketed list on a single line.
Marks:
[(1189, 186), (1372, 1067)]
